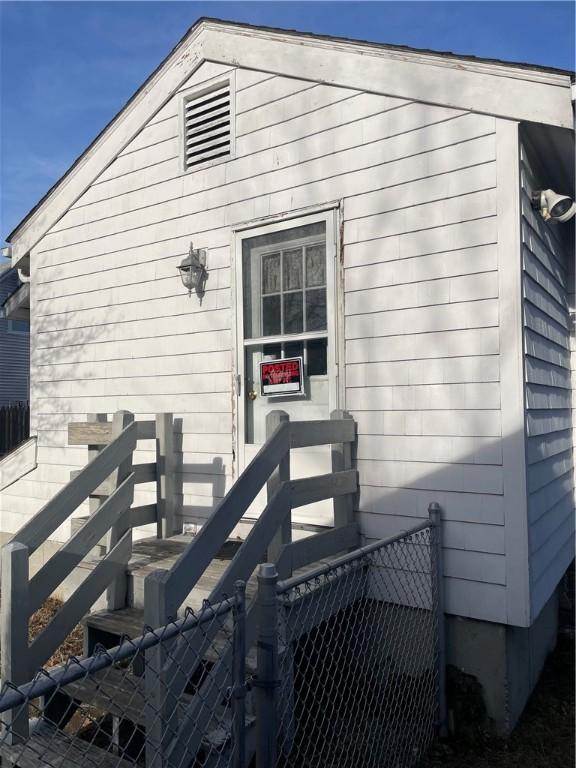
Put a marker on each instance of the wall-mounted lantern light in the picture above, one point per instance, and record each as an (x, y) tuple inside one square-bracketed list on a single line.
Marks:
[(193, 271)]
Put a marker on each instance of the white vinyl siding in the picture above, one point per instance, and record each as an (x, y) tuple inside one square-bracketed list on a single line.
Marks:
[(549, 426), (113, 327), (422, 365), (14, 349)]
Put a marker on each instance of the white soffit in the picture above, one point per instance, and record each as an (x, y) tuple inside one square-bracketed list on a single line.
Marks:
[(507, 91)]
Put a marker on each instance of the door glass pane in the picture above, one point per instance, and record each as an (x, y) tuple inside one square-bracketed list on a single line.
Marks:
[(294, 349), (273, 264), (315, 265), (271, 351), (293, 320), (292, 270), (271, 323), (317, 354), (271, 273), (316, 310)]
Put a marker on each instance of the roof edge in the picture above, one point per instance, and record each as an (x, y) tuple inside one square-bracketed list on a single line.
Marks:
[(149, 80), (545, 76), (391, 47)]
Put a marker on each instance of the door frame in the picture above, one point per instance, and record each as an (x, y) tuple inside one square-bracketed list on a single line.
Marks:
[(331, 214)]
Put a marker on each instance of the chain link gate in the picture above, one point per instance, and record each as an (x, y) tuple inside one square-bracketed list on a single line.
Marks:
[(351, 658)]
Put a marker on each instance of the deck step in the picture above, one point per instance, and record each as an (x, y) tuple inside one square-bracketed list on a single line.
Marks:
[(130, 622), (149, 555), (48, 746), (118, 692)]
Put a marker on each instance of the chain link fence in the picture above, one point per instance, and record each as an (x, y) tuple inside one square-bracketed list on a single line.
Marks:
[(340, 667), (127, 706), (358, 660)]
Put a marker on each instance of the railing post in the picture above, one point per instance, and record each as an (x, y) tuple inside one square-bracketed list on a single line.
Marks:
[(436, 564), (280, 475), (239, 676), (14, 634), (94, 502), (166, 506), (267, 667), (159, 704), (341, 461), (117, 591)]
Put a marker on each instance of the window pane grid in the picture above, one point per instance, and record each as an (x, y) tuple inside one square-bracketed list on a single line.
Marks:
[(289, 273)]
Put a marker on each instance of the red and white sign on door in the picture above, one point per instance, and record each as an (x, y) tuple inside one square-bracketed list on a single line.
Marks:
[(282, 377)]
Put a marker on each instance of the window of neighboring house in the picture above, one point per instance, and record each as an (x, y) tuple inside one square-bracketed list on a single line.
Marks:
[(18, 326), (207, 119)]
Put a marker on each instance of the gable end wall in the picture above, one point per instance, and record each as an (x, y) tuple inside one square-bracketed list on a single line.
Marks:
[(113, 328)]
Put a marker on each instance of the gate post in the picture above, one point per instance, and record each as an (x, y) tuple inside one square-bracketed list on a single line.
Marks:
[(437, 573), (239, 676), (267, 667), (160, 702)]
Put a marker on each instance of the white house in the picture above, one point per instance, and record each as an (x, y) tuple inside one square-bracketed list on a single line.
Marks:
[(365, 207)]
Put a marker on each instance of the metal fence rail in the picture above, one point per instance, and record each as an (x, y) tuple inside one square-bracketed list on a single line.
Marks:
[(14, 426), (342, 666)]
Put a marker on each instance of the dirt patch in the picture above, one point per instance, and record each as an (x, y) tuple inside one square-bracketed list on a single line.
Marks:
[(544, 738)]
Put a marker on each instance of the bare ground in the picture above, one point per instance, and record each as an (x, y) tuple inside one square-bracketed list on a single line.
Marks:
[(72, 646), (544, 738)]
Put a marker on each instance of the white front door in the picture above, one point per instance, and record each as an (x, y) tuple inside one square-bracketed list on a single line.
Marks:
[(286, 298)]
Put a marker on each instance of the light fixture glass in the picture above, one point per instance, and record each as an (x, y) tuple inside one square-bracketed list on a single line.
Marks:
[(193, 271)]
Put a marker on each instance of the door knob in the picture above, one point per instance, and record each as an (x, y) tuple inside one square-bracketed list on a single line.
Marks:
[(252, 395)]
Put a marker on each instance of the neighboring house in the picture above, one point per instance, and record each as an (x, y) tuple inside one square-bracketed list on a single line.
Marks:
[(367, 208), (14, 341)]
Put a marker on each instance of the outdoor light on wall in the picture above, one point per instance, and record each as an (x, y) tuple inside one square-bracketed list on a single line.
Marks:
[(552, 206), (193, 271)]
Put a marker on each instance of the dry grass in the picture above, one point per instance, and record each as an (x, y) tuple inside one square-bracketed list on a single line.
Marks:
[(544, 738), (73, 644)]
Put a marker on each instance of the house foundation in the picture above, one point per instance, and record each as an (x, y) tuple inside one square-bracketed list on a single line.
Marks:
[(493, 669)]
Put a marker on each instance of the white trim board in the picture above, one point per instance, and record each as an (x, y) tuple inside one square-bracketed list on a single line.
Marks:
[(512, 375), (18, 463), (503, 90)]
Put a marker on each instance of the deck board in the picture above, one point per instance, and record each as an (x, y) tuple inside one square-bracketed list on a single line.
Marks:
[(48, 746), (119, 692)]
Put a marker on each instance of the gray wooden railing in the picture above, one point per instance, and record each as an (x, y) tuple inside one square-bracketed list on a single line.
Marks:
[(108, 481), (169, 742)]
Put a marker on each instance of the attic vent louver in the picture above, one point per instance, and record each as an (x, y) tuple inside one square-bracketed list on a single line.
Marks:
[(207, 126)]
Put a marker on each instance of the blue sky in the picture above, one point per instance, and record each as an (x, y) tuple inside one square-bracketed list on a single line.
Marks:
[(67, 67)]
